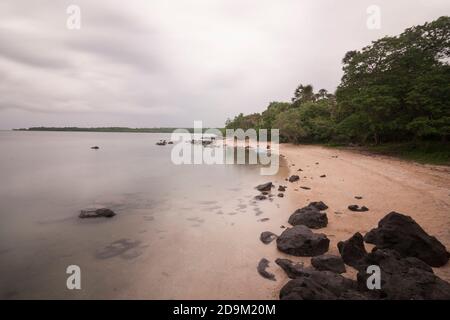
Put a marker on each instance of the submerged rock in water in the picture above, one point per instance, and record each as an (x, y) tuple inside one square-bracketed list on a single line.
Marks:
[(328, 262), (301, 241), (95, 147), (97, 213), (353, 251), (403, 234), (356, 208), (262, 266), (260, 197), (264, 187), (294, 178), (267, 237)]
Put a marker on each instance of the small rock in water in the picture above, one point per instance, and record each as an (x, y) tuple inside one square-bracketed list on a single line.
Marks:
[(281, 195), (262, 266), (358, 197), (323, 176), (95, 147), (299, 170), (294, 178), (305, 188), (260, 197), (356, 208), (264, 187), (267, 237), (97, 213)]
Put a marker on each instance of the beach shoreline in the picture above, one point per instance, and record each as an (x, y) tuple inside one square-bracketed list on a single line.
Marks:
[(385, 184)]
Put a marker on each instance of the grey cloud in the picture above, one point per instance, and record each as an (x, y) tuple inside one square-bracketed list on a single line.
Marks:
[(161, 63)]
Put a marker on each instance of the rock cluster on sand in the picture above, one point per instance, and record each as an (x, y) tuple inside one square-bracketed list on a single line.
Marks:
[(310, 216), (97, 213), (403, 252), (301, 241), (401, 233)]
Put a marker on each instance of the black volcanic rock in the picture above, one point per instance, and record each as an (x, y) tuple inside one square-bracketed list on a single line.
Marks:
[(301, 241), (403, 234), (353, 251), (264, 187), (328, 262), (403, 278)]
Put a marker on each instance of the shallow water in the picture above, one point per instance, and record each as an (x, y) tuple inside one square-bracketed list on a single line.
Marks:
[(181, 231)]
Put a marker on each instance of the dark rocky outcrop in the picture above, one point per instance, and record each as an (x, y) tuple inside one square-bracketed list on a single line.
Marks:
[(264, 187), (97, 213), (294, 178), (403, 234), (301, 241), (328, 262), (403, 278), (267, 237), (353, 251), (356, 208), (262, 266)]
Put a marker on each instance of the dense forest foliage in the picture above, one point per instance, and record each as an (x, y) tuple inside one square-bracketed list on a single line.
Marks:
[(396, 89)]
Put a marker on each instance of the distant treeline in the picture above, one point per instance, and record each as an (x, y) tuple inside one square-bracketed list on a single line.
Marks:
[(106, 129), (395, 90)]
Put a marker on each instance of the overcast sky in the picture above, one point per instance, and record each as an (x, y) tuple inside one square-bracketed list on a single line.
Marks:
[(167, 63)]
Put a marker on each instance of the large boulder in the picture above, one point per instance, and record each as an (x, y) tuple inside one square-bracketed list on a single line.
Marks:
[(353, 251), (403, 234), (403, 278), (264, 187), (301, 241), (309, 216), (328, 262), (311, 284)]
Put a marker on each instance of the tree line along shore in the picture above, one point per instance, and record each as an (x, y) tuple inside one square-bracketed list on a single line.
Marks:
[(394, 98)]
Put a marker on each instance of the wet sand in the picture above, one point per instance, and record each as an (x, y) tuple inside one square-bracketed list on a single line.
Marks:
[(384, 183)]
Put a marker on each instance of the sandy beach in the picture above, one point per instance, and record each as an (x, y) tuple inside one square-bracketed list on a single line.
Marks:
[(384, 183)]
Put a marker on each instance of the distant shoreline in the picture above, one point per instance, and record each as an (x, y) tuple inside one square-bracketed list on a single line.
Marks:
[(106, 129)]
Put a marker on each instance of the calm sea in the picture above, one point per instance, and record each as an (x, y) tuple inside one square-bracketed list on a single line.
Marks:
[(181, 231)]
